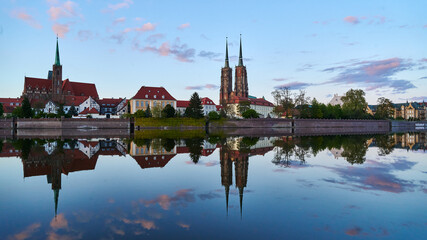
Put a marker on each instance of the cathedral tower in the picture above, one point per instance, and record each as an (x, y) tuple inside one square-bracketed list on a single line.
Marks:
[(226, 79), (241, 82), (57, 76)]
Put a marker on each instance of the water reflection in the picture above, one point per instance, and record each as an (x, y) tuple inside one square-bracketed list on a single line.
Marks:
[(52, 158)]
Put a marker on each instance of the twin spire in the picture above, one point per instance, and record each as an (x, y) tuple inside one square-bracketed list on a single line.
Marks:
[(227, 65)]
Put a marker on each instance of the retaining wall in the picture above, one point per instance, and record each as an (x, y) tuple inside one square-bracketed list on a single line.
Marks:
[(6, 123), (347, 124), (68, 123), (252, 123)]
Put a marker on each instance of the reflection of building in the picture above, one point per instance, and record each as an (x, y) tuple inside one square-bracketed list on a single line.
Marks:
[(151, 155)]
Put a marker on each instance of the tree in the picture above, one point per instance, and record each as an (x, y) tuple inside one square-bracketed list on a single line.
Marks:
[(168, 111), (354, 103), (38, 106), (195, 108), (61, 111), (385, 108), (1, 110), (284, 102), (140, 114), (195, 148), (250, 113), (73, 111), (157, 111), (316, 111), (148, 112), (27, 112), (214, 115), (17, 112), (244, 106)]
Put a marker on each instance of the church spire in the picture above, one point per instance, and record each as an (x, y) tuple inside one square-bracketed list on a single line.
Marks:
[(227, 191), (226, 53), (241, 201), (240, 53), (56, 196), (57, 62)]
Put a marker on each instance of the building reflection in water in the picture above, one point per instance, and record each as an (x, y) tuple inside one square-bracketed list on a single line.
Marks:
[(54, 158)]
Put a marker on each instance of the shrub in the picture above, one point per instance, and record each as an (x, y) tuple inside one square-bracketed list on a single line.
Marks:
[(214, 115)]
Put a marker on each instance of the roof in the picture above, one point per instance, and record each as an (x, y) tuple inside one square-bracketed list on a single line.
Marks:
[(218, 107), (253, 101), (207, 101), (110, 101), (89, 111), (80, 89), (151, 161), (183, 104), (39, 83), (74, 100), (153, 93), (9, 104)]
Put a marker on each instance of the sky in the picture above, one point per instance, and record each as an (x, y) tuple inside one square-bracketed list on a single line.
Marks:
[(322, 47)]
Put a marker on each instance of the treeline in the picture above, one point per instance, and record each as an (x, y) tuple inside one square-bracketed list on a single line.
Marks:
[(298, 105)]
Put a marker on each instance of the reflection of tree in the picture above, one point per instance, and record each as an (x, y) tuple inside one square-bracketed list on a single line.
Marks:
[(246, 143), (385, 144), (168, 144), (195, 148), (284, 151), (355, 148), (24, 145)]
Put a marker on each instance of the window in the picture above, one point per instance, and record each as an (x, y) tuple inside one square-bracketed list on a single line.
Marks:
[(163, 96), (146, 95), (137, 103), (155, 96), (147, 104)]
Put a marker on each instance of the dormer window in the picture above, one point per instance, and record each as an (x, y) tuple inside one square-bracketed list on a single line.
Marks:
[(154, 96), (163, 96), (146, 95)]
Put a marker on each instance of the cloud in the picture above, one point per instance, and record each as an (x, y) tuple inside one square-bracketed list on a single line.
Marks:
[(202, 87), (146, 224), (209, 55), (84, 35), (328, 95), (119, 20), (146, 27), (152, 39), (354, 231), (59, 222), (204, 36), (184, 225), (351, 19), (294, 85), (27, 232), (61, 29), (373, 74), (305, 67), (417, 99), (117, 6), (180, 198), (184, 26), (209, 196), (280, 79), (234, 58), (65, 10), (181, 51), (24, 16), (118, 37)]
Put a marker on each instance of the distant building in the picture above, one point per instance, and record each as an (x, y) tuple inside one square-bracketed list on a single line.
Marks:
[(263, 107), (112, 106), (9, 104), (181, 105), (208, 105), (408, 110), (151, 96), (336, 100)]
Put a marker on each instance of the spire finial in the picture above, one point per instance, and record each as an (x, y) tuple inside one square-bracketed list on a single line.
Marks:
[(240, 53), (226, 53), (57, 61)]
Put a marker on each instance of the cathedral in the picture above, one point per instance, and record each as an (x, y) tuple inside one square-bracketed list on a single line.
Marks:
[(241, 81), (54, 88)]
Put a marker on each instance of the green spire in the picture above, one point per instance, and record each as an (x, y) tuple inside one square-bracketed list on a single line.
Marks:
[(56, 196), (226, 53), (241, 201), (240, 53), (57, 62)]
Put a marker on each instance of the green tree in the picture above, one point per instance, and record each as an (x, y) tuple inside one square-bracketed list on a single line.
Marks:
[(73, 111), (148, 112), (27, 112), (214, 115), (250, 113), (17, 112), (1, 110), (157, 111), (354, 103), (60, 111), (385, 108), (139, 114), (195, 148), (316, 111), (195, 108), (284, 102), (168, 111), (244, 106)]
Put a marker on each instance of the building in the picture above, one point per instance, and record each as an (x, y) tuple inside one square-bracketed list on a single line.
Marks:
[(181, 105), (336, 100), (151, 96), (208, 105), (54, 88), (9, 104), (407, 111), (241, 89), (112, 106)]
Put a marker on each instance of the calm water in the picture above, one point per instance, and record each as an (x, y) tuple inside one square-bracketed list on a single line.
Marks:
[(332, 187)]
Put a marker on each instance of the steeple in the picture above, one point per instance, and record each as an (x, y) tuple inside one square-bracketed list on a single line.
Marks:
[(240, 53), (241, 200), (56, 196), (227, 191), (226, 53), (57, 62)]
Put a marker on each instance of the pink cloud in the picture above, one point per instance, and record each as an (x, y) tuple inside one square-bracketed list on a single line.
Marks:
[(184, 225), (354, 231), (351, 19), (22, 15), (65, 10), (146, 224), (425, 26), (117, 6), (119, 20), (184, 26), (60, 29), (382, 66), (164, 49), (59, 222), (146, 27), (27, 232)]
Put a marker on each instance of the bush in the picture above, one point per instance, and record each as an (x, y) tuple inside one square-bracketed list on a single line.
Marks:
[(140, 114), (250, 113), (89, 116), (214, 115), (168, 111)]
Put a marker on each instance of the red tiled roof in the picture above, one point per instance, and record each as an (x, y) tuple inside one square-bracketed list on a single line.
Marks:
[(112, 101), (80, 89), (183, 104), (151, 161), (74, 100), (149, 93), (207, 101), (38, 83), (89, 111), (218, 107), (253, 101), (10, 103)]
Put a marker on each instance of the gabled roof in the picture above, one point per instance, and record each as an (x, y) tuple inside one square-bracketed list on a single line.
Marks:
[(207, 101), (80, 89), (158, 93), (112, 102), (182, 104), (89, 111), (253, 101), (9, 104), (218, 107), (39, 83), (74, 100), (151, 161)]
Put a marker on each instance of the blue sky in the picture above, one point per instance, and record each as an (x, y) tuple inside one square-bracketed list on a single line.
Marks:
[(324, 47)]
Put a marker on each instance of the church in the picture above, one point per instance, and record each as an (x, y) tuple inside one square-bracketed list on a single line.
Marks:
[(241, 89), (54, 88)]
